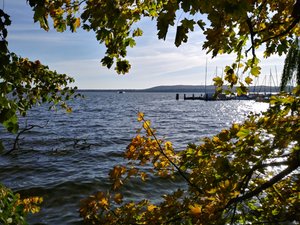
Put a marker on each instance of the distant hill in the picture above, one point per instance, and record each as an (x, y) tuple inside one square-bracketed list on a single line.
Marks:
[(202, 89), (183, 89)]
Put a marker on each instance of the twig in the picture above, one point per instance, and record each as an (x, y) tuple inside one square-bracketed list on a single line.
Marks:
[(295, 15), (233, 214), (293, 165), (252, 34), (16, 142), (292, 25), (248, 176), (176, 167)]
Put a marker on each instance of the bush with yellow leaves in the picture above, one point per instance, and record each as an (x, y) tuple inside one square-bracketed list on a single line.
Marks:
[(13, 209)]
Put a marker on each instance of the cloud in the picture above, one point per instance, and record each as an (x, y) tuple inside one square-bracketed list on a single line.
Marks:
[(159, 63), (154, 62)]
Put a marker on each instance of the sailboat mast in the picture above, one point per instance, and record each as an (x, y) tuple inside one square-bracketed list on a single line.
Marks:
[(270, 81), (205, 76)]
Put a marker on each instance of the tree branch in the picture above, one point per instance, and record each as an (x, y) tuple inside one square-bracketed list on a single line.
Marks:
[(248, 176), (296, 15), (173, 164), (291, 27), (252, 34), (293, 165), (16, 142)]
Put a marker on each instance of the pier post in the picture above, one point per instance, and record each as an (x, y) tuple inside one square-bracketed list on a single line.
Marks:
[(177, 96)]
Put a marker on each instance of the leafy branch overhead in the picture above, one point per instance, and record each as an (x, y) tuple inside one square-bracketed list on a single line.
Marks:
[(24, 83), (228, 26)]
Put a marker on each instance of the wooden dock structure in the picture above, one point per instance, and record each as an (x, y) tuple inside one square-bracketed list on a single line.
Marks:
[(193, 97), (220, 97)]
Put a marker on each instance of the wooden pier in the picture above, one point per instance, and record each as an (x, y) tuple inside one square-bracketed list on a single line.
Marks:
[(193, 97), (220, 97)]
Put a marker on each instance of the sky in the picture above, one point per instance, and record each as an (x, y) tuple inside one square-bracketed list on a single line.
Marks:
[(153, 62)]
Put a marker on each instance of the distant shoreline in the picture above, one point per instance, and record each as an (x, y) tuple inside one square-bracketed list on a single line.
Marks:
[(182, 89)]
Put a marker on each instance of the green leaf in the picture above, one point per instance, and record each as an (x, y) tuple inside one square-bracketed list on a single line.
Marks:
[(137, 32), (275, 212), (218, 81), (181, 35), (163, 22), (248, 80), (242, 90), (243, 133), (123, 66), (188, 24), (255, 71), (12, 124), (201, 24), (107, 61), (239, 91)]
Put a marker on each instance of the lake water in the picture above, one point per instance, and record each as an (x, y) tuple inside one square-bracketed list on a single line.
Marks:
[(68, 156)]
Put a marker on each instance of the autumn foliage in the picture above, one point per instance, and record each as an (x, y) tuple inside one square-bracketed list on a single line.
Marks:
[(14, 209)]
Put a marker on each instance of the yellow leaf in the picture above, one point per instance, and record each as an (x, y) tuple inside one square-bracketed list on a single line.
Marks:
[(235, 194), (156, 153), (151, 208), (215, 139), (195, 209), (143, 176), (234, 186), (118, 198), (77, 22), (132, 171), (212, 191), (117, 184), (235, 126), (199, 153), (227, 182), (213, 199), (164, 164), (140, 116), (168, 145), (104, 202), (146, 125), (262, 26), (37, 200), (132, 148)]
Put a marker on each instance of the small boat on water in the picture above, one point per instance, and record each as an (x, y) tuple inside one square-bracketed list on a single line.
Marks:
[(121, 92)]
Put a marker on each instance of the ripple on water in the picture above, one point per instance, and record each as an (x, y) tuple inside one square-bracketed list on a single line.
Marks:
[(68, 156)]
